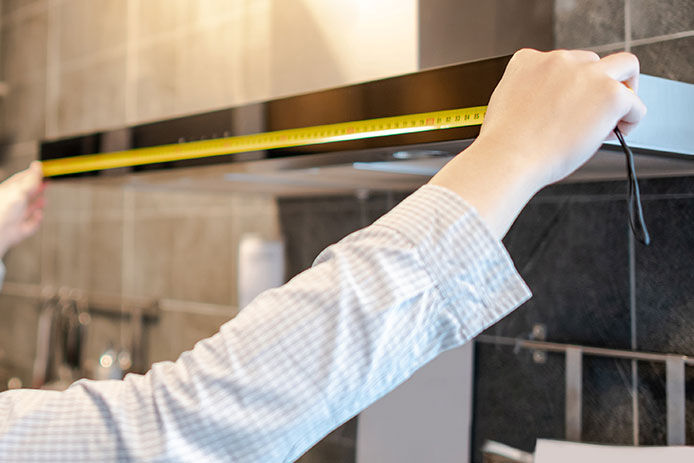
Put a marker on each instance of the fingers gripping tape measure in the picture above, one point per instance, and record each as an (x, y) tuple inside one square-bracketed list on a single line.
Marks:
[(319, 134)]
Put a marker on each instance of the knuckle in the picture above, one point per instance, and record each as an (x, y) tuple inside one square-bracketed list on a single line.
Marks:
[(524, 53), (561, 54), (634, 59), (593, 56)]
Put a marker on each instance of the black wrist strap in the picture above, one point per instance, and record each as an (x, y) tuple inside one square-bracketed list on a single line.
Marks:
[(636, 221)]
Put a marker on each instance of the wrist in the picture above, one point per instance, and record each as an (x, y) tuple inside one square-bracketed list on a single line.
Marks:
[(516, 161), (495, 179)]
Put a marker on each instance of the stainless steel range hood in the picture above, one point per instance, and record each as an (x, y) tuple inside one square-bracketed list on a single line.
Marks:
[(664, 142)]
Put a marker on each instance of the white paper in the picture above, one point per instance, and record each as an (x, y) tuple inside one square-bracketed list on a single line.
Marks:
[(552, 451)]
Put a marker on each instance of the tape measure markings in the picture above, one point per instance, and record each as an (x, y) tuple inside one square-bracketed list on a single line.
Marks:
[(304, 136)]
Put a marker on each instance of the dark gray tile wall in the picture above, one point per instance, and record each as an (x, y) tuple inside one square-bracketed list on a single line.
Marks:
[(672, 59), (607, 405), (516, 400), (665, 299), (652, 405), (651, 18), (588, 23), (578, 236), (664, 270), (571, 245)]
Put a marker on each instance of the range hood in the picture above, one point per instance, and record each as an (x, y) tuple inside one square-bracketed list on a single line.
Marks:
[(664, 142)]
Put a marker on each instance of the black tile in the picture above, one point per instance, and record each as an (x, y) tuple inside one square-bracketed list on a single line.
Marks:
[(328, 450), (588, 23), (665, 299), (349, 430), (664, 272), (653, 404), (309, 225), (380, 203), (671, 59), (651, 18), (516, 400), (571, 246), (572, 251), (607, 403), (584, 191), (674, 186)]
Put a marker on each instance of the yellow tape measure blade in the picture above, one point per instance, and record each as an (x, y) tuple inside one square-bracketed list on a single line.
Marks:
[(304, 136)]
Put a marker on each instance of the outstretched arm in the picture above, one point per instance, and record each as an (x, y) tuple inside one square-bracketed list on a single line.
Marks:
[(303, 358), (299, 360), (21, 208)]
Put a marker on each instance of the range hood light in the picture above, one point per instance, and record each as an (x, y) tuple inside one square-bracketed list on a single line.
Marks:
[(401, 168), (418, 154)]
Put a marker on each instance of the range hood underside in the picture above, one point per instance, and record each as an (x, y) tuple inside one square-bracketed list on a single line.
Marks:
[(347, 172)]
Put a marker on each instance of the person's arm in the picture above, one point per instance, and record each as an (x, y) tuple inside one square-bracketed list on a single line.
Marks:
[(299, 360), (21, 208), (303, 358)]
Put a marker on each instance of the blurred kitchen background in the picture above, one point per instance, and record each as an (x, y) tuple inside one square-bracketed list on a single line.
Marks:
[(147, 272)]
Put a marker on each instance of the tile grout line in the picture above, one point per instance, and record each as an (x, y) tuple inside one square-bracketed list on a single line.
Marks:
[(662, 38), (127, 258), (50, 125), (627, 25), (606, 47), (131, 62), (632, 274), (632, 317)]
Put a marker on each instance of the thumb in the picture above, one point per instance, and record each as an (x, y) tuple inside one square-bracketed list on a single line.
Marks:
[(29, 181)]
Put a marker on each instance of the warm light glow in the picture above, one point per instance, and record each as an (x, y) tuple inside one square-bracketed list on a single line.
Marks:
[(106, 360), (14, 383), (124, 360)]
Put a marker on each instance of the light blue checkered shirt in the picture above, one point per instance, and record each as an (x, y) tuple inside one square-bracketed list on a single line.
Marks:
[(299, 360)]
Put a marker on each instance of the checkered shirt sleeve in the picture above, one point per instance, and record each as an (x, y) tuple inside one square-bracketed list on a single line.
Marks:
[(296, 362)]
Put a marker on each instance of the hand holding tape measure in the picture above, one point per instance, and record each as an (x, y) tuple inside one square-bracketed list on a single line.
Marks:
[(549, 114)]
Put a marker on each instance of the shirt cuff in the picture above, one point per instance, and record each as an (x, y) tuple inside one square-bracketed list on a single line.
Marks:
[(467, 263)]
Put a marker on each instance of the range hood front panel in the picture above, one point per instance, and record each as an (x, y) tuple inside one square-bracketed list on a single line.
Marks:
[(458, 86)]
